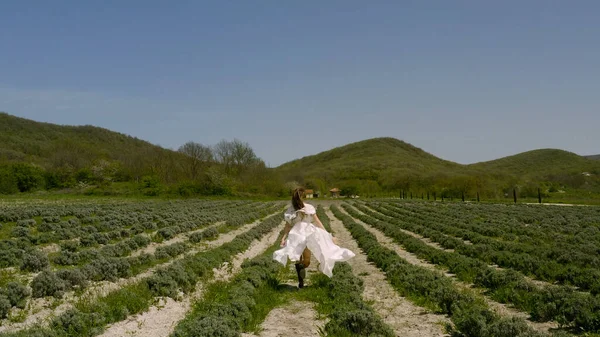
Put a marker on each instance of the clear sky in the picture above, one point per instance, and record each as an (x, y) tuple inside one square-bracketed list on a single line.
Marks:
[(467, 81)]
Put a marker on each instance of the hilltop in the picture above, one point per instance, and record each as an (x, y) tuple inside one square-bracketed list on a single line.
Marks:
[(46, 144), (368, 159), (539, 164), (594, 157), (389, 163)]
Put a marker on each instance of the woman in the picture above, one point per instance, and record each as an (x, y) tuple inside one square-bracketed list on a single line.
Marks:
[(301, 238)]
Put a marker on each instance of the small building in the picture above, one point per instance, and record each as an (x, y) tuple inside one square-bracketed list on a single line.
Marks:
[(309, 194), (335, 192)]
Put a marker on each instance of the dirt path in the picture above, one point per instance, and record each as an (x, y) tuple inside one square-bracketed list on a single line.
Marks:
[(161, 320), (297, 319), (499, 308), (42, 309), (404, 317)]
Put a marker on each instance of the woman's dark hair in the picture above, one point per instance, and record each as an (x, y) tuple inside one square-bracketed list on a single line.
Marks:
[(297, 198)]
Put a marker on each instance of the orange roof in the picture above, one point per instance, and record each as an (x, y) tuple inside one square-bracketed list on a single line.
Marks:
[(335, 189), (309, 191)]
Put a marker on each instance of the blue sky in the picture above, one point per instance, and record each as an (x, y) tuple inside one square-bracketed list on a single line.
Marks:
[(465, 80)]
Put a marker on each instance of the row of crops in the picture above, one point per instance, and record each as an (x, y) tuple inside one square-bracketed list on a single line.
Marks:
[(232, 307), (534, 259), (496, 248), (550, 255), (226, 308), (57, 249)]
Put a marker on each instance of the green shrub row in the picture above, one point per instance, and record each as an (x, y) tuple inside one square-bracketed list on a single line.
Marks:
[(207, 234), (69, 254), (90, 318), (351, 316), (94, 210), (13, 295), (555, 260), (231, 306), (95, 225), (573, 226), (103, 266), (107, 263), (470, 315), (561, 304), (324, 218)]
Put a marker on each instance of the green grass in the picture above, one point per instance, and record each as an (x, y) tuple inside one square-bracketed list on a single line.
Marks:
[(6, 230), (8, 275), (115, 306)]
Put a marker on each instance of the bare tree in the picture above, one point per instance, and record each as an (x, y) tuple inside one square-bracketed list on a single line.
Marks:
[(199, 156), (235, 154)]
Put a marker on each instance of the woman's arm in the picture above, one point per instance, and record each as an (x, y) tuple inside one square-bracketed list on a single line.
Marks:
[(319, 222), (286, 231), (321, 225)]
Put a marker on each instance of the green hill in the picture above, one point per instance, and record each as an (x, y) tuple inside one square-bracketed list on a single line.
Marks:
[(539, 164), (390, 164), (24, 140), (371, 164), (36, 155), (594, 157), (367, 159)]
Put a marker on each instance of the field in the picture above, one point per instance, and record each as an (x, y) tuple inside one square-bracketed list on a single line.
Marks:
[(204, 268)]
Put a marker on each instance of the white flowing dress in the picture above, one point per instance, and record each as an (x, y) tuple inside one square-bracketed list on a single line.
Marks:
[(306, 235)]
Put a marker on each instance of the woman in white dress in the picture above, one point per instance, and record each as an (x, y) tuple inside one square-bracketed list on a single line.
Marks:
[(304, 234)]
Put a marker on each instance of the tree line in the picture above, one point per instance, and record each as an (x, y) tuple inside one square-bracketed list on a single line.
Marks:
[(233, 168), (226, 168)]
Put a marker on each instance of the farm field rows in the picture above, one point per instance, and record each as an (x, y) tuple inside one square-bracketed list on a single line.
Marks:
[(204, 268)]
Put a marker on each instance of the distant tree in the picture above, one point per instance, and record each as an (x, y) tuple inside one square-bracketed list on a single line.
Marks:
[(218, 183), (28, 177), (460, 185), (370, 187), (235, 155), (137, 165), (349, 190), (84, 175), (70, 154), (8, 183), (59, 178), (104, 171), (198, 157)]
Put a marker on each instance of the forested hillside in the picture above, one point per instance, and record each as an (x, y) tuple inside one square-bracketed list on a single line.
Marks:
[(90, 160), (36, 155), (374, 166)]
